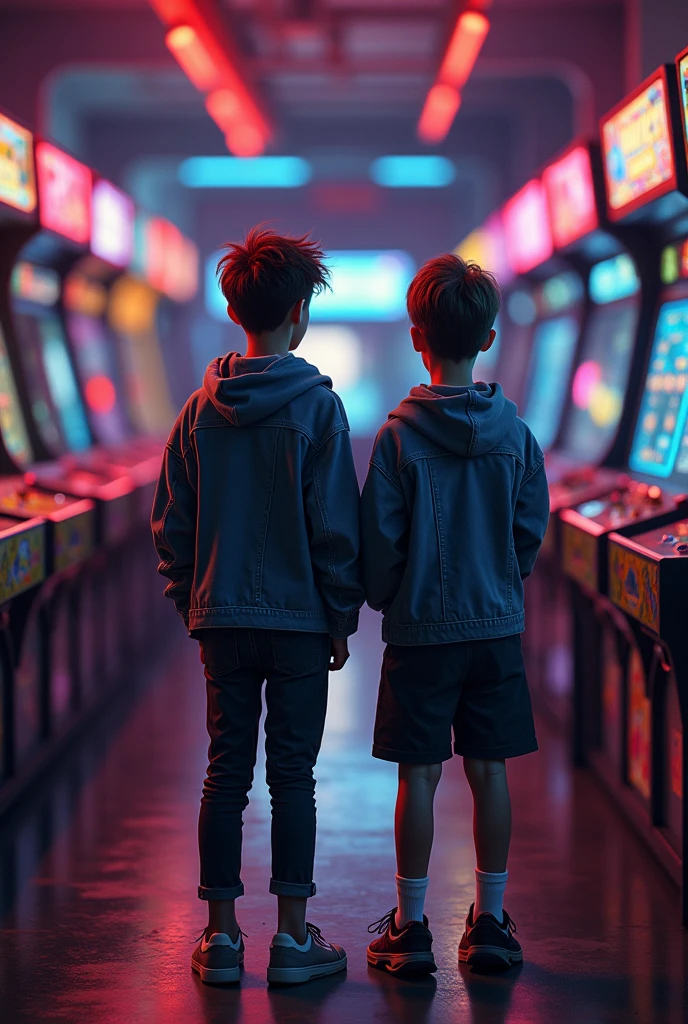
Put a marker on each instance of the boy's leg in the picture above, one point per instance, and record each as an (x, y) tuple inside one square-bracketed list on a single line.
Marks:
[(297, 668), (233, 685), (413, 833), (491, 832)]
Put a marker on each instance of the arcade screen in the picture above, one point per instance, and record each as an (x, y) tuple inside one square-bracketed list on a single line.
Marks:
[(54, 396), (12, 424), (17, 177), (554, 346), (662, 416), (599, 383), (98, 376), (636, 144), (683, 84)]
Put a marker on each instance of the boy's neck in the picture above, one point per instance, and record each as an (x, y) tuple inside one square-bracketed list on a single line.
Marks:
[(269, 343), (451, 374)]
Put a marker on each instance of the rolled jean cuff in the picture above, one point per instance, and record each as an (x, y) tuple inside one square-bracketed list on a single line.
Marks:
[(292, 888), (232, 893)]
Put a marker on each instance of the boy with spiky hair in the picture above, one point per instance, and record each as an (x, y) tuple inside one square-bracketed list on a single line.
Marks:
[(256, 522), (454, 510)]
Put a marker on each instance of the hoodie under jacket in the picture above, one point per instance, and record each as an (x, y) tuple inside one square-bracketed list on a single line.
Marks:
[(256, 515), (454, 510)]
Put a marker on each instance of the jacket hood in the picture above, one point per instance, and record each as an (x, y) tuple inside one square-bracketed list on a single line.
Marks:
[(469, 421), (246, 391)]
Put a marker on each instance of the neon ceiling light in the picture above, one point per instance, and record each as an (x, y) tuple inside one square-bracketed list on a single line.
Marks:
[(412, 171), (200, 43), (255, 172), (444, 98)]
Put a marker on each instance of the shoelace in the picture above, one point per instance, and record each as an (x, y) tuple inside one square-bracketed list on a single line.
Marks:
[(316, 935), (383, 924)]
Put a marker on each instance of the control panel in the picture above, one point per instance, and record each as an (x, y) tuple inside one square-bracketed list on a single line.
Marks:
[(633, 502)]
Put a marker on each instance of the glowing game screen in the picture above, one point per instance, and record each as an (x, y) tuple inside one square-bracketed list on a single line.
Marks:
[(554, 345), (366, 285), (17, 178), (662, 417), (112, 235), (53, 393), (64, 192), (98, 377), (599, 383), (571, 197), (12, 423), (638, 156), (683, 85), (527, 228)]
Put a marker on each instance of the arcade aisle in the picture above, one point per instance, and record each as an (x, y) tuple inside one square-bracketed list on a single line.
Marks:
[(98, 909)]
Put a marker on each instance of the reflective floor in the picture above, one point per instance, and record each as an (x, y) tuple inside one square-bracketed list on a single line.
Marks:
[(98, 877)]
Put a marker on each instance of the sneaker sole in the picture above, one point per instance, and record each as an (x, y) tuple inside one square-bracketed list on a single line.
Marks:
[(403, 964), (300, 975), (218, 976), (489, 958)]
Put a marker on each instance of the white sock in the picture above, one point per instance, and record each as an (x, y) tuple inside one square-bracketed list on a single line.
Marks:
[(411, 898), (489, 893)]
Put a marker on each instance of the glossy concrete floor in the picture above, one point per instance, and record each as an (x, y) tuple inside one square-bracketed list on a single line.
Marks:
[(98, 911)]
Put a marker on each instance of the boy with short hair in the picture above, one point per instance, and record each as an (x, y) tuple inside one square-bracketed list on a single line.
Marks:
[(454, 511), (256, 522)]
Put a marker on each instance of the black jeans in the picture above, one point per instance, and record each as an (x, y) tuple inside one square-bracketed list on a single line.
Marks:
[(295, 666)]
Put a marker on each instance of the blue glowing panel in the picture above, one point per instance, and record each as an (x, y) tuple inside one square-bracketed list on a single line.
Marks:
[(412, 171), (554, 345), (215, 302), (662, 417), (245, 172), (366, 285), (613, 279)]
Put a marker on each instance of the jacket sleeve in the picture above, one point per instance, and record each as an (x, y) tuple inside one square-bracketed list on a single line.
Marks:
[(384, 536), (173, 522), (331, 500), (531, 517)]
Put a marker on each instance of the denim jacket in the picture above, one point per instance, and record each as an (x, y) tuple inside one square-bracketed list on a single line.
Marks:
[(454, 510), (256, 515)]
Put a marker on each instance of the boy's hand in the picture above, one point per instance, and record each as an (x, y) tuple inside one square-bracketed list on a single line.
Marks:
[(339, 654)]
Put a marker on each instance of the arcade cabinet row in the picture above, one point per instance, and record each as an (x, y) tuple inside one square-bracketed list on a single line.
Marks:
[(86, 287), (594, 269)]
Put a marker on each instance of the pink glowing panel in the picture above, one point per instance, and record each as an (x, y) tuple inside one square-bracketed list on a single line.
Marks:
[(571, 196), (527, 229), (112, 235), (64, 193), (493, 229), (586, 379)]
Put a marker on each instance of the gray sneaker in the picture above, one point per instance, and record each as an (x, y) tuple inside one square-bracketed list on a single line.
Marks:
[(217, 959), (291, 964)]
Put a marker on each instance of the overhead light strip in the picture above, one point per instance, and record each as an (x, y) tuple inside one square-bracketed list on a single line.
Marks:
[(444, 98)]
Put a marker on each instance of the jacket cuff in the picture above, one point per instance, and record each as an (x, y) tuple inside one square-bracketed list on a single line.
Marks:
[(343, 627)]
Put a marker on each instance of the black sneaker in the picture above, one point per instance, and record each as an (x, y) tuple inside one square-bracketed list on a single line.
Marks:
[(406, 952), (217, 959), (488, 945)]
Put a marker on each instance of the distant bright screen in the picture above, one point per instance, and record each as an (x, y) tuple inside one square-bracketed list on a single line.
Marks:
[(112, 236), (600, 381), (367, 285), (17, 177), (636, 145), (339, 352), (571, 196), (663, 410), (245, 172), (613, 279), (554, 345), (64, 191), (527, 228)]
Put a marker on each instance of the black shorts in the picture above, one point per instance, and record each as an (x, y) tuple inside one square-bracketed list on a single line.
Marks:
[(476, 689)]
